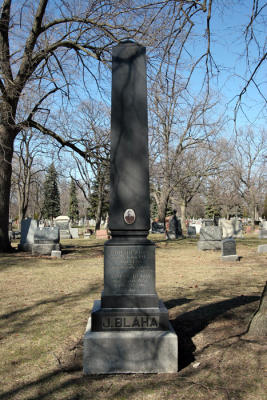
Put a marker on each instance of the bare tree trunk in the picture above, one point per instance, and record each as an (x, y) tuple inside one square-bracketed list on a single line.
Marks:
[(258, 323), (183, 206), (162, 204), (6, 154), (98, 214)]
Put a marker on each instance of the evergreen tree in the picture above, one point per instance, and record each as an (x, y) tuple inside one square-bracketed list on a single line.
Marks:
[(51, 204), (153, 208), (212, 211), (73, 206), (99, 201)]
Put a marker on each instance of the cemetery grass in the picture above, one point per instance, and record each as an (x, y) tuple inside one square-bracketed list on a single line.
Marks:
[(45, 304)]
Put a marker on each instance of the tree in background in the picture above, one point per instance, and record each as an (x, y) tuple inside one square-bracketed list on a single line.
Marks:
[(99, 199), (27, 168), (264, 214), (51, 204), (73, 206), (47, 48), (247, 167)]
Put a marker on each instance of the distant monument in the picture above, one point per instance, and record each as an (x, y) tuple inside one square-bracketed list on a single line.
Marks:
[(229, 250), (263, 230), (28, 229), (46, 240), (129, 331), (175, 229), (210, 238), (63, 223)]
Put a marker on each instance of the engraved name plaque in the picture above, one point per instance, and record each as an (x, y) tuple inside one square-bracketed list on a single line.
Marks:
[(129, 270), (228, 247), (130, 322)]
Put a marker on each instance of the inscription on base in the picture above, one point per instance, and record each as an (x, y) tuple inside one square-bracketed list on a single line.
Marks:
[(130, 322), (229, 248), (129, 270)]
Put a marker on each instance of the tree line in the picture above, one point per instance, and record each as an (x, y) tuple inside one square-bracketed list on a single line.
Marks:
[(55, 64), (206, 178)]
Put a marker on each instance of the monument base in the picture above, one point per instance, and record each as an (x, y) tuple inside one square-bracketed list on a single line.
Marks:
[(64, 234), (44, 249), (25, 247), (173, 236), (130, 352), (232, 257), (209, 245)]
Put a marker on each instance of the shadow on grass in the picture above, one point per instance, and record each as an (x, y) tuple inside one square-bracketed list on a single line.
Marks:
[(70, 383), (19, 319), (40, 384), (192, 322), (47, 389), (19, 258), (176, 302)]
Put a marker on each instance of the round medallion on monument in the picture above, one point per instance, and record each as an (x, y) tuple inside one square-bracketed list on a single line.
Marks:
[(129, 216)]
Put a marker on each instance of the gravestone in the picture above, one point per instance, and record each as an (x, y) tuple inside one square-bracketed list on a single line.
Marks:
[(207, 222), (157, 227), (175, 229), (45, 240), (197, 224), (263, 230), (262, 248), (191, 231), (227, 228), (210, 238), (101, 234), (63, 223), (238, 228), (74, 232), (229, 250), (28, 229), (56, 253), (231, 228), (129, 329)]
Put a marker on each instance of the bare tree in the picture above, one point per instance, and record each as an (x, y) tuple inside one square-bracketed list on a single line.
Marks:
[(248, 168), (27, 166), (179, 124), (258, 324), (193, 169), (48, 47), (44, 45), (254, 43), (93, 173)]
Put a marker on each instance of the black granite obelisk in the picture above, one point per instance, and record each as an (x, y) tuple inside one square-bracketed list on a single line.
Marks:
[(129, 302)]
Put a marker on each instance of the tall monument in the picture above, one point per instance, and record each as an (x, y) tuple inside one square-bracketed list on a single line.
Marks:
[(129, 329)]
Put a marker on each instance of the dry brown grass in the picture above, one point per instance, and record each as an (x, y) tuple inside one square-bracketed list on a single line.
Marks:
[(45, 304)]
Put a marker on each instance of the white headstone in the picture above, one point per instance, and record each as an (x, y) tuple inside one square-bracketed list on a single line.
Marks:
[(74, 233), (227, 228), (238, 228)]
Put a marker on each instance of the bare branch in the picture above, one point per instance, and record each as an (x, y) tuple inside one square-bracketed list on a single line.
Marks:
[(4, 43), (251, 79), (36, 107)]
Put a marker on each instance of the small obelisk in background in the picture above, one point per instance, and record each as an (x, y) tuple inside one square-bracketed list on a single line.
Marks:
[(129, 329)]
